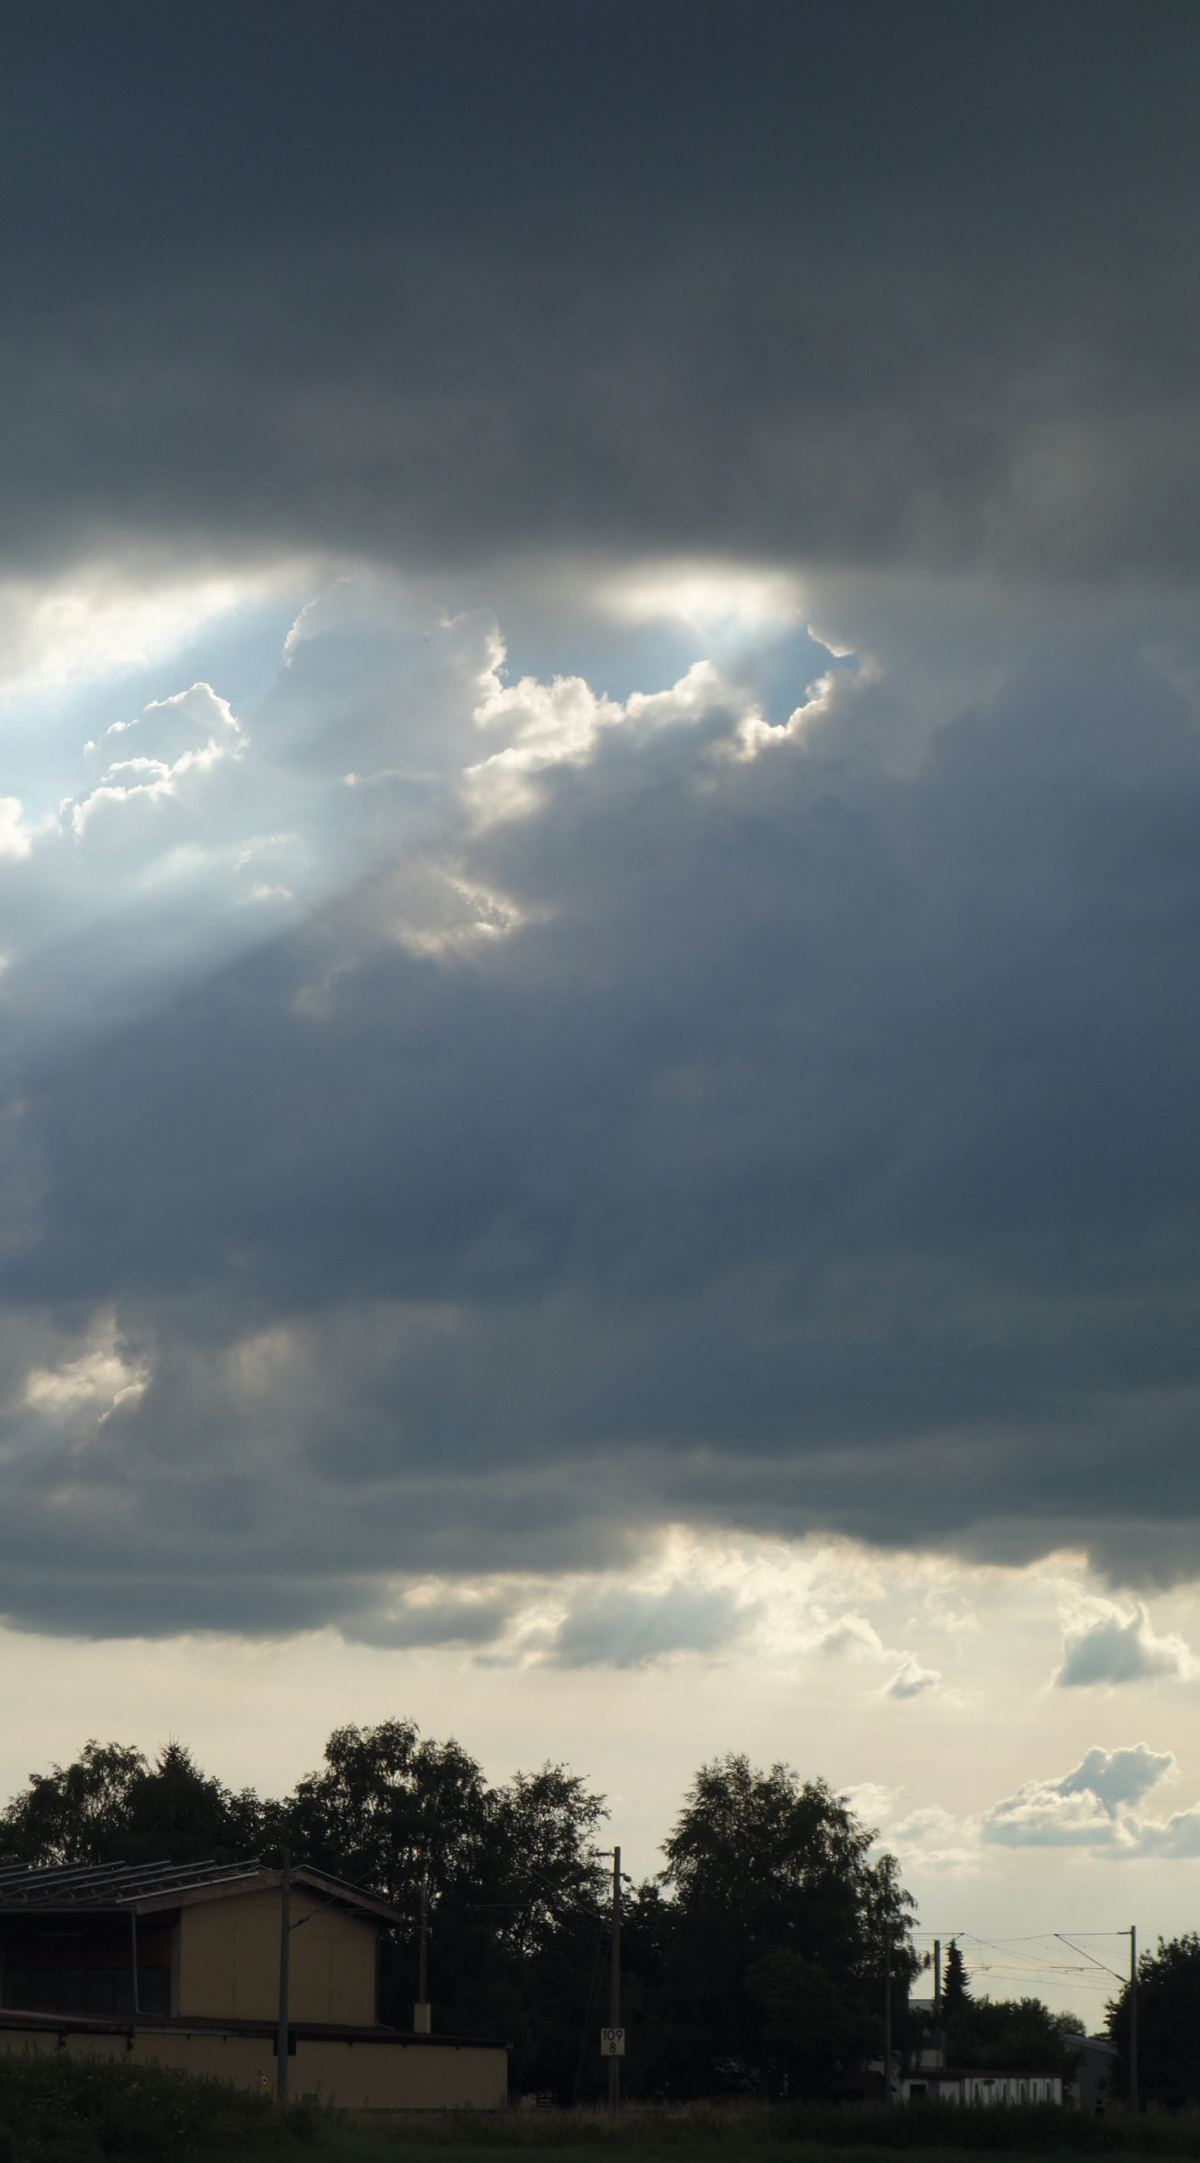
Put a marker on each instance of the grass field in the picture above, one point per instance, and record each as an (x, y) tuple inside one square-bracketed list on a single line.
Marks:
[(61, 2109), (772, 2133), (340, 2144)]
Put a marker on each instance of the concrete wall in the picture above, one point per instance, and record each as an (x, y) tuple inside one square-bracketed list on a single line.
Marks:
[(351, 2075), (228, 1963)]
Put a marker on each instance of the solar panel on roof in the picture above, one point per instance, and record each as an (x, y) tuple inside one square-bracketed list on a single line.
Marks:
[(106, 1884)]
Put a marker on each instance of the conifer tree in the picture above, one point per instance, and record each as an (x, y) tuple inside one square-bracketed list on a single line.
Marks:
[(955, 1994)]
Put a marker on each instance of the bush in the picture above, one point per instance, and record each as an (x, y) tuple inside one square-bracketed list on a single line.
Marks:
[(59, 2108)]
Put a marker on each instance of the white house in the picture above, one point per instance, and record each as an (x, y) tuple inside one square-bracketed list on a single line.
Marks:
[(961, 2084)]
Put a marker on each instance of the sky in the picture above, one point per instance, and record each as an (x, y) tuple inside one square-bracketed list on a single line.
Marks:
[(599, 907)]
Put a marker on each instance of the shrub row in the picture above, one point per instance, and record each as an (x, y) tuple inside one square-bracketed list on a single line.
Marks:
[(62, 2109)]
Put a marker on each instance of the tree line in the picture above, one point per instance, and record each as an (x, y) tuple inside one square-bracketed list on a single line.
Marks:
[(753, 1962)]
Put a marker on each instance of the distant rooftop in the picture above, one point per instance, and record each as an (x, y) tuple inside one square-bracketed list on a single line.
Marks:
[(26, 1888)]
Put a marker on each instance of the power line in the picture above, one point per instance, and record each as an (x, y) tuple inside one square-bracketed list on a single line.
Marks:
[(1090, 1956), (1030, 1958)]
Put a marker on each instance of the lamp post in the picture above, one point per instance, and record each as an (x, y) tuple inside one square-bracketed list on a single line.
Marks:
[(285, 1949), (1133, 2034), (614, 1984), (422, 2018), (887, 2016)]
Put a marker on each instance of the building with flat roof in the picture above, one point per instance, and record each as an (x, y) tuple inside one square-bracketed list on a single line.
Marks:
[(179, 1964)]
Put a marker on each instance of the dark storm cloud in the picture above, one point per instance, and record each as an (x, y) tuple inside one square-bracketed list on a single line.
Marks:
[(794, 1141), (817, 1151), (842, 280)]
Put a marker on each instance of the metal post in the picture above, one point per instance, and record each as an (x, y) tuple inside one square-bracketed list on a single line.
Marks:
[(133, 1943), (614, 1983), (1133, 2034), (285, 1948), (887, 2016), (422, 2022)]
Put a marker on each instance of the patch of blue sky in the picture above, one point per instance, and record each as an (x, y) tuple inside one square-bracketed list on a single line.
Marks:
[(44, 726)]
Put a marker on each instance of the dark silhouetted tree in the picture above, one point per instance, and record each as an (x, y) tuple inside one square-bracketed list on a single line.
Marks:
[(1168, 2025), (955, 1993), (392, 1811), (77, 1813), (754, 1963), (767, 1970), (514, 1884), (1014, 2035), (112, 1805)]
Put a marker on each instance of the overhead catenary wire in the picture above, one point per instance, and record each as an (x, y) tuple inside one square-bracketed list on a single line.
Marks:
[(1035, 1958), (1090, 1956)]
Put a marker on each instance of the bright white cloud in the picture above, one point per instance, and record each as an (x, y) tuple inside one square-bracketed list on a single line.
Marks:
[(704, 596), (96, 1381), (187, 734), (560, 724), (107, 618), (16, 836)]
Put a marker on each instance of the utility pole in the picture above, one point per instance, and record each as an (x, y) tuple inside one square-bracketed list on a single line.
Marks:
[(285, 1950), (1133, 2036), (887, 2015), (938, 2043), (614, 1983), (422, 2017)]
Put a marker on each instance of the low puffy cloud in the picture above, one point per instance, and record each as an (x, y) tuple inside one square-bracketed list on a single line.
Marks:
[(1118, 1777), (630, 1628), (912, 1680), (423, 1617), (1114, 1647), (1096, 1811), (177, 738), (1094, 1807), (852, 1634), (936, 1839)]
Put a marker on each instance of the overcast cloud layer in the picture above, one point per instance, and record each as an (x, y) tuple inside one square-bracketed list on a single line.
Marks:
[(849, 280), (599, 869)]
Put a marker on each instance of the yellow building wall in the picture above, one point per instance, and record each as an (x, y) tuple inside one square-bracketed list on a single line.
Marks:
[(229, 1961), (350, 2076), (400, 2076)]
